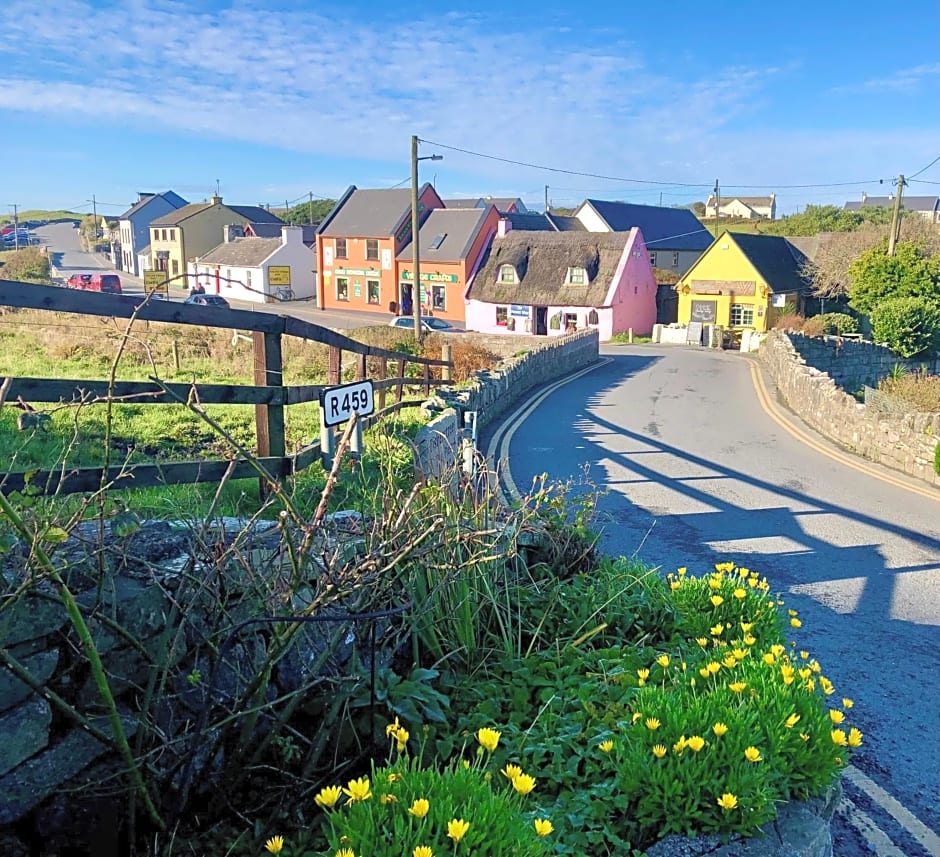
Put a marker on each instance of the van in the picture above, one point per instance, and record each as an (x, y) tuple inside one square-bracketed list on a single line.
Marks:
[(108, 283)]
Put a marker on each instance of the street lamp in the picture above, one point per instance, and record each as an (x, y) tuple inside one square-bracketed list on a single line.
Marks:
[(416, 259)]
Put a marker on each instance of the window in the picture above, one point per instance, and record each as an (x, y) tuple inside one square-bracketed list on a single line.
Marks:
[(675, 259), (372, 291), (247, 279), (507, 274), (372, 248), (742, 315), (341, 248), (163, 235), (342, 289), (571, 322), (592, 318), (577, 276), (502, 316), (176, 267), (172, 235), (438, 240), (439, 297), (653, 258)]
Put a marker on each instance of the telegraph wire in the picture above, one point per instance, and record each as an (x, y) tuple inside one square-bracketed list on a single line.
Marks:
[(924, 169)]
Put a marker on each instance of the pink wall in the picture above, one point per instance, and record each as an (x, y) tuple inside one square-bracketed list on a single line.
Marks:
[(632, 295)]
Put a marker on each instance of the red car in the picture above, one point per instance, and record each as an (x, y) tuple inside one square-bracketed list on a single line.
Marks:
[(108, 283)]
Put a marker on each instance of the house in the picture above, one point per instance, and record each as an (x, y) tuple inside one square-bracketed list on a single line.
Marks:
[(743, 207), (743, 281), (273, 230), (674, 237), (261, 270), (451, 242), (547, 283), (357, 246), (134, 227), (503, 204), (177, 238), (927, 207)]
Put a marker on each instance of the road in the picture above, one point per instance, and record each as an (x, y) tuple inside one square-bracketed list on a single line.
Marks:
[(696, 471), (68, 258)]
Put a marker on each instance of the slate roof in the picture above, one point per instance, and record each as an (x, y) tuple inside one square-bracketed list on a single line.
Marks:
[(566, 223), (502, 203), (252, 213), (146, 198), (809, 245), (368, 213), (242, 252), (459, 226), (463, 203), (778, 261), (529, 221), (911, 203), (541, 260), (255, 214), (764, 201), (273, 230), (662, 228)]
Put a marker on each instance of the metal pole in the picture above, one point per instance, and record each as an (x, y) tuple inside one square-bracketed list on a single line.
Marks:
[(416, 250)]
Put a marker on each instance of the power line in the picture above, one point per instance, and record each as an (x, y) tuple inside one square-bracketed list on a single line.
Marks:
[(914, 175), (922, 181)]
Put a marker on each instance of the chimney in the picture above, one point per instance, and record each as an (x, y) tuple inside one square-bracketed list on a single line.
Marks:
[(292, 235), (505, 225), (231, 232)]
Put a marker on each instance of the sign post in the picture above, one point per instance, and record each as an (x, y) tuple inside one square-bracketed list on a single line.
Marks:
[(337, 405)]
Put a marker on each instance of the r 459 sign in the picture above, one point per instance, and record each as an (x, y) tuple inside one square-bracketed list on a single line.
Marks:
[(338, 404)]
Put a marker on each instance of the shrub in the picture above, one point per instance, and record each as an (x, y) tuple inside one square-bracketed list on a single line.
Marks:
[(909, 326), (936, 460), (814, 326), (920, 390), (839, 322), (789, 321)]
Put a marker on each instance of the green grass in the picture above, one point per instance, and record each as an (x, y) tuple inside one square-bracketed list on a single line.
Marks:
[(624, 339), (41, 214), (752, 227)]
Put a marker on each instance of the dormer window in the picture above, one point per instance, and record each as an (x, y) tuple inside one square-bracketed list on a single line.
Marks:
[(577, 276), (507, 274)]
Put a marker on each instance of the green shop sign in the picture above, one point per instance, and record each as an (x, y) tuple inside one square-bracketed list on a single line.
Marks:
[(431, 278)]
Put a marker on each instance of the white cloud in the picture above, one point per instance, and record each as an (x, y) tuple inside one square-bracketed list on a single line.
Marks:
[(899, 81)]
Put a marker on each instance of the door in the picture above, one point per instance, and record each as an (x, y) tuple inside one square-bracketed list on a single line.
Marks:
[(407, 305), (541, 321)]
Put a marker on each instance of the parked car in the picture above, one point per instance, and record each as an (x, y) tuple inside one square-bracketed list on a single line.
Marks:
[(207, 300), (107, 283), (429, 324)]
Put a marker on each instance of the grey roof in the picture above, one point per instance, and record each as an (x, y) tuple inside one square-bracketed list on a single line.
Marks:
[(251, 213), (144, 251), (368, 213), (242, 252), (255, 214), (273, 230), (174, 218), (459, 226), (502, 203), (809, 245), (747, 200), (566, 223), (662, 228), (542, 259), (146, 198), (911, 203), (530, 221), (778, 261), (462, 203)]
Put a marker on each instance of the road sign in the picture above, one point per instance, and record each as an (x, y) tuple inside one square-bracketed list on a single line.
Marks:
[(279, 275), (155, 281), (337, 404)]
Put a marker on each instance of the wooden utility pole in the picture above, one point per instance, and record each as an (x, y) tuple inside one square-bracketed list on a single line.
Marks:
[(310, 207), (548, 208), (717, 206), (16, 228), (416, 251), (895, 234)]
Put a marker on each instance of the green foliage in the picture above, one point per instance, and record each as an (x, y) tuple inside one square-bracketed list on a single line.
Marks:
[(936, 459), (908, 325), (307, 213), (29, 265), (825, 218), (919, 389), (876, 276), (838, 322)]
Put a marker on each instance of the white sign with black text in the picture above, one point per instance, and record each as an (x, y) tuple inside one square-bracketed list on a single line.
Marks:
[(337, 404)]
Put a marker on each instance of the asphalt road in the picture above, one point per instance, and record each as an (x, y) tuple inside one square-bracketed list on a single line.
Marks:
[(696, 471)]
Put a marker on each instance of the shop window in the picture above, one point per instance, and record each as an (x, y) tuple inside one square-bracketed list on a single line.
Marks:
[(372, 291), (342, 289), (439, 297), (502, 316), (742, 315)]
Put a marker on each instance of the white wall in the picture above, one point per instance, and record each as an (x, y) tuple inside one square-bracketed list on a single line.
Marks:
[(592, 221)]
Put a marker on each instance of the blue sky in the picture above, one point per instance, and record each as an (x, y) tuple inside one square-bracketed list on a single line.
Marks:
[(275, 100)]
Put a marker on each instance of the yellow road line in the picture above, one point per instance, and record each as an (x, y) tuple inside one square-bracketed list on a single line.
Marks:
[(901, 814), (877, 839), (771, 409)]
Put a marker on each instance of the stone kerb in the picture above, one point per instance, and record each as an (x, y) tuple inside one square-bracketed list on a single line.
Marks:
[(904, 442)]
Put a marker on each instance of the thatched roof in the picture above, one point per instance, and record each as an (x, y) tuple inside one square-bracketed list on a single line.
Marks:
[(541, 261)]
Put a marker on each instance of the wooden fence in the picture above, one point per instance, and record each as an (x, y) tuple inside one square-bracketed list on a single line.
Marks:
[(268, 393)]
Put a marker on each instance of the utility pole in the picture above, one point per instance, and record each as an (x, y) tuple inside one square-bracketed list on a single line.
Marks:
[(310, 209), (548, 208), (717, 206), (416, 251), (895, 235), (16, 229), (660, 199), (94, 214)]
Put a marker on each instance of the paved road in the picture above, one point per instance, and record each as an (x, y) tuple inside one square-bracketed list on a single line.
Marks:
[(697, 472)]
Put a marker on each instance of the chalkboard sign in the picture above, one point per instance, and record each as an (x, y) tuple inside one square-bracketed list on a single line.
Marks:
[(704, 311), (694, 333)]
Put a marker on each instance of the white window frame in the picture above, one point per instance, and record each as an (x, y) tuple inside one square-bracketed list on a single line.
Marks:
[(653, 258), (742, 311), (577, 276), (508, 275)]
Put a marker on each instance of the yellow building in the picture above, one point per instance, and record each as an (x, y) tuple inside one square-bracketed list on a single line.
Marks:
[(193, 230), (743, 281)]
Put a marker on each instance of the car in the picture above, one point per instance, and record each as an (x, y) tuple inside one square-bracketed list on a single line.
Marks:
[(78, 281), (207, 300), (107, 283), (428, 323)]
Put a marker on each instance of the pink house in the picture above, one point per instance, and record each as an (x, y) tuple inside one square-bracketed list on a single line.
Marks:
[(547, 283)]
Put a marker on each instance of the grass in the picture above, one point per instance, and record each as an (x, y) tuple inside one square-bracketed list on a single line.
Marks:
[(752, 227), (624, 339), (41, 214)]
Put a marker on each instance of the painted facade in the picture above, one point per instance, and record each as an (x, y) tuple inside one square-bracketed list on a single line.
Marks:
[(743, 207), (133, 228)]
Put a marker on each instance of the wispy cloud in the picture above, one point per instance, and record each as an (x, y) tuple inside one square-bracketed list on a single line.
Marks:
[(901, 80)]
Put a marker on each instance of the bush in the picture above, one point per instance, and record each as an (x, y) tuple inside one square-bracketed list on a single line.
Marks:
[(936, 459), (791, 321), (920, 390), (908, 326), (814, 326), (839, 322)]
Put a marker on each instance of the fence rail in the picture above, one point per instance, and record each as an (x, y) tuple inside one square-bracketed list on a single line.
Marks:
[(268, 395)]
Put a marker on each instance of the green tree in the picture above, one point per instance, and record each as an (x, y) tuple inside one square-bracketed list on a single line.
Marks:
[(876, 277), (908, 326), (307, 213), (826, 218)]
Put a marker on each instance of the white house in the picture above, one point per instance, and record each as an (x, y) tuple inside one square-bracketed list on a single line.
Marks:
[(743, 207), (134, 229), (262, 270)]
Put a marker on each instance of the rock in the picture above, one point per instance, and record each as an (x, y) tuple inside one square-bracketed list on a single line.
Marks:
[(14, 691), (11, 846), (30, 618), (24, 731)]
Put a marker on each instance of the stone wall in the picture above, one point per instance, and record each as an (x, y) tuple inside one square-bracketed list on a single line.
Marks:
[(902, 442), (852, 363)]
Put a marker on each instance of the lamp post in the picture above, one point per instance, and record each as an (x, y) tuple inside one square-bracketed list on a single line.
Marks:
[(416, 257)]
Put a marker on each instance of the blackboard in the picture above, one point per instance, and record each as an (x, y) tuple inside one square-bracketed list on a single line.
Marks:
[(694, 334), (704, 311)]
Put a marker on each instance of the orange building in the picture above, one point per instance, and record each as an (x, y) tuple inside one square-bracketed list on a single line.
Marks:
[(358, 245)]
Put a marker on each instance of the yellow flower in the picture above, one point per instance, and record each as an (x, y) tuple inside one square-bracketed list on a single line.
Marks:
[(717, 630), (274, 844), (637, 715), (702, 641), (836, 716), (769, 659), (358, 789), (328, 796), (839, 738), (345, 852), (389, 798), (422, 851), (788, 674), (739, 654), (466, 764), (737, 686), (792, 720), (804, 736), (401, 738), (543, 826), (724, 566), (393, 778), (717, 600), (855, 738), (679, 746), (675, 584), (659, 750), (846, 702), (605, 746), (510, 772), (740, 593), (752, 754), (795, 623), (681, 571), (814, 666), (746, 626), (488, 738), (713, 667), (749, 639), (719, 728), (663, 661), (727, 801), (652, 723), (714, 582), (419, 809), (523, 784), (729, 660), (643, 675), (777, 650), (392, 728), (804, 655), (457, 828), (810, 685), (703, 672), (826, 685), (695, 743), (804, 673)]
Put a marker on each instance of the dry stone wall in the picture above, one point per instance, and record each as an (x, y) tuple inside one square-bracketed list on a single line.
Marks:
[(905, 442)]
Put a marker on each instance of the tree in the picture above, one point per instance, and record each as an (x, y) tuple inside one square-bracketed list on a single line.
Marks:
[(877, 277), (698, 209), (908, 326), (826, 218), (305, 213)]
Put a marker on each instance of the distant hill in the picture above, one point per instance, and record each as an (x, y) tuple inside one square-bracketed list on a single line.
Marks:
[(41, 214)]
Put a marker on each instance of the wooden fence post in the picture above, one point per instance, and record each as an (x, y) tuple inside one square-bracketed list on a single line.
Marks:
[(360, 367), (446, 374), (334, 369), (269, 419), (400, 389), (383, 374)]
